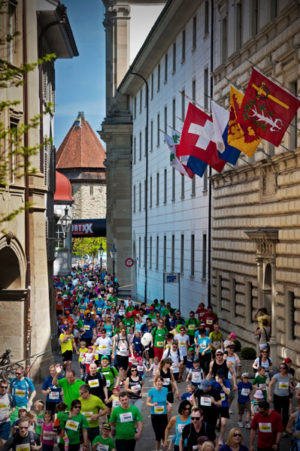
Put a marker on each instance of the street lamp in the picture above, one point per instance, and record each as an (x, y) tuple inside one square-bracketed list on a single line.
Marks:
[(101, 250), (66, 222), (113, 254)]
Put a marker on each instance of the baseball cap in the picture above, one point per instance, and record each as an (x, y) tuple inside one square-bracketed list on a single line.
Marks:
[(220, 351), (106, 426), (104, 357), (233, 335), (246, 375), (258, 394), (287, 360), (205, 384)]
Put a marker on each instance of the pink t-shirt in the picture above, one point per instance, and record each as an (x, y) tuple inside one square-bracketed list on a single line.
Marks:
[(48, 438)]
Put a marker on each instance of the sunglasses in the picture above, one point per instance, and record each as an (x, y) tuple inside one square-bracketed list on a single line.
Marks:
[(237, 434), (195, 418), (23, 427), (187, 409), (3, 386), (77, 407), (18, 374), (134, 369)]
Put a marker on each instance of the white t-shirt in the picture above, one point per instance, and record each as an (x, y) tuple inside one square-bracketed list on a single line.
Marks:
[(175, 359), (182, 340), (104, 345)]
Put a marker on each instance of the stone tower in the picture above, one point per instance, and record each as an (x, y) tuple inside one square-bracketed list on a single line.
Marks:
[(81, 157)]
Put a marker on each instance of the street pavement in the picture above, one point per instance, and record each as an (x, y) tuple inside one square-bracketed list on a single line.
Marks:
[(147, 441)]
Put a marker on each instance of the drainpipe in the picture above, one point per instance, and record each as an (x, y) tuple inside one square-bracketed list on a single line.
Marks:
[(27, 317)]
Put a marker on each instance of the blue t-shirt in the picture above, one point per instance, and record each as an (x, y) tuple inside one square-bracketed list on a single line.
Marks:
[(55, 395), (223, 395), (244, 391), (203, 343), (88, 325), (99, 304), (21, 390), (159, 396)]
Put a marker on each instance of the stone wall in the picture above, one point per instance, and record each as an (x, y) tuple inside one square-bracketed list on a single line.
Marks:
[(89, 201)]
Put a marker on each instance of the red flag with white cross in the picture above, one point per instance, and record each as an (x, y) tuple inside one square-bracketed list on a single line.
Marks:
[(267, 108), (197, 138)]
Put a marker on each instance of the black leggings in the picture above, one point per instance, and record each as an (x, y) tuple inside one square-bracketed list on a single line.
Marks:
[(204, 362), (159, 424), (281, 405)]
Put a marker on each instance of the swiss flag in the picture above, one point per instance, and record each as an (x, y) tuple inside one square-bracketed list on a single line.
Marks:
[(197, 138), (267, 108)]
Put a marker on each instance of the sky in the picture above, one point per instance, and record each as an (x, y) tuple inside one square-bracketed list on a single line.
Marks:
[(80, 81)]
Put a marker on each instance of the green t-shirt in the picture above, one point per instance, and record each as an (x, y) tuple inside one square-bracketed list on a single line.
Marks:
[(192, 325), (159, 336), (109, 373), (70, 391), (39, 422), (90, 407), (125, 421), (73, 427), (107, 442), (260, 381)]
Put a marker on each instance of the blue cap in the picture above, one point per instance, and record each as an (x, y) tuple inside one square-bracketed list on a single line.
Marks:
[(205, 384)]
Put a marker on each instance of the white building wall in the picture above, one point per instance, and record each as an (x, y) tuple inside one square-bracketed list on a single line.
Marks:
[(184, 215)]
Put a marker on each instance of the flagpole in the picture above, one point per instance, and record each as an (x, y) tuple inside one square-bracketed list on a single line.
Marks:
[(146, 182)]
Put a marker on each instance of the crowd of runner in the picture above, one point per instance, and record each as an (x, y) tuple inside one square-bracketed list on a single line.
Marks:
[(118, 344)]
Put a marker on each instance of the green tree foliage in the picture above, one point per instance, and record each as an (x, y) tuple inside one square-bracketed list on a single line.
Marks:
[(87, 246)]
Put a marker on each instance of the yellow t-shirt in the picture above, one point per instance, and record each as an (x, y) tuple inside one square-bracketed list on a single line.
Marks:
[(66, 345), (81, 352)]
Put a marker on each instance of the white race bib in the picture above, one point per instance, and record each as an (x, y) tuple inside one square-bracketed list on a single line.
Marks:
[(20, 393), (209, 322), (54, 395), (166, 381), (126, 417), (159, 410), (116, 403), (180, 428), (101, 447), (196, 377), (94, 383), (223, 397), (72, 425), (205, 401), (88, 415), (245, 391), (86, 327), (265, 427)]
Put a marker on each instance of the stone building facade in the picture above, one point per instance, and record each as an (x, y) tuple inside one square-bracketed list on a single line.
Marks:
[(80, 157), (256, 207), (25, 325)]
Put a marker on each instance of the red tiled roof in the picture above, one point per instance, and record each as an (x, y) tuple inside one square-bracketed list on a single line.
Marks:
[(63, 189), (81, 148)]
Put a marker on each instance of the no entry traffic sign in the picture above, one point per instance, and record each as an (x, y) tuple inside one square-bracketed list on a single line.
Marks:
[(129, 262)]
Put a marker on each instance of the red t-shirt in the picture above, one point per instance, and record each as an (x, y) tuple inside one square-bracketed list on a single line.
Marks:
[(201, 312), (210, 319), (267, 426)]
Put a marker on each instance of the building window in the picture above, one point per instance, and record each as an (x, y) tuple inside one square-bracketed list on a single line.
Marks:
[(12, 28), (194, 91), (250, 304), (60, 237), (146, 136), (219, 291), (174, 114), (193, 190), (165, 186), (233, 297), (194, 32), (140, 197), (174, 58), (13, 158), (182, 187), (150, 192), (165, 254), (183, 104), (165, 119), (140, 251), (238, 25), (157, 253), (274, 9), (182, 254), (150, 252), (166, 68), (91, 190), (140, 145), (134, 108), (255, 17), (291, 315), (151, 136), (157, 189), (206, 17), (173, 184), (205, 180), (158, 78), (192, 255), (134, 199), (134, 150), (141, 100), (224, 46), (158, 130), (145, 251), (152, 85), (145, 195), (183, 46), (173, 254), (206, 94), (204, 250), (294, 122)]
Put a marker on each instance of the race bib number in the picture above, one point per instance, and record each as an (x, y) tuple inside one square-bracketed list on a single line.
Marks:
[(283, 385), (87, 327), (205, 401), (196, 377), (24, 447), (136, 387), (47, 435), (107, 383), (180, 428), (181, 343), (21, 393), (191, 327), (39, 421), (265, 427), (203, 345), (159, 410), (195, 447), (103, 347), (72, 425), (116, 403), (126, 417), (223, 397), (3, 406), (209, 322), (101, 447), (166, 381), (94, 383), (159, 344), (217, 344), (245, 391), (88, 415), (140, 368), (54, 395), (121, 312)]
